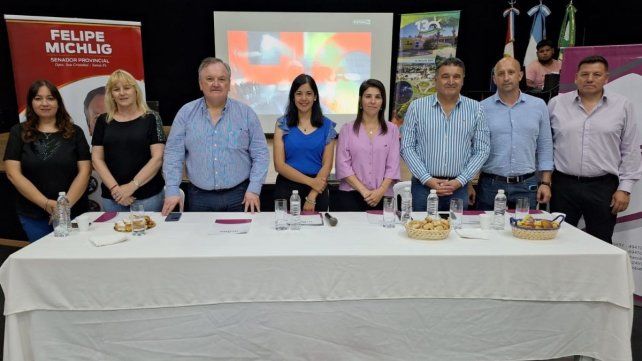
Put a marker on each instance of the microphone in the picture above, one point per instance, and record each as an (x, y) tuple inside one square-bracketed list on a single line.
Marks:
[(331, 220)]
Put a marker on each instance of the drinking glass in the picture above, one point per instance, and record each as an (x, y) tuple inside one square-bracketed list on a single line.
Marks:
[(389, 216), (281, 214), (521, 207), (456, 212), (485, 221), (137, 216)]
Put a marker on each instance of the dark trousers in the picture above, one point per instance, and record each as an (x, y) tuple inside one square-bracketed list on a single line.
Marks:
[(488, 187), (586, 197), (420, 197), (283, 190), (352, 201), (224, 200)]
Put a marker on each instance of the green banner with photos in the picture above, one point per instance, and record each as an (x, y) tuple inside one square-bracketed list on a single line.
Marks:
[(424, 39)]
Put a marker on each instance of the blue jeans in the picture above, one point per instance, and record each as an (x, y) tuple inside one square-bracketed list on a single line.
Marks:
[(488, 187), (420, 195), (35, 228), (225, 200), (151, 204)]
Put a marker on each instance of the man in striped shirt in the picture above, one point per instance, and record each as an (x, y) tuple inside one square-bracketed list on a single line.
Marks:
[(445, 139)]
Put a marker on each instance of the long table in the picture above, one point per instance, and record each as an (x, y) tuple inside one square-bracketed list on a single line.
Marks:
[(357, 291)]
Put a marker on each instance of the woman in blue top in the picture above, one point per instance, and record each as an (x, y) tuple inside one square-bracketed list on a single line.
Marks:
[(304, 147)]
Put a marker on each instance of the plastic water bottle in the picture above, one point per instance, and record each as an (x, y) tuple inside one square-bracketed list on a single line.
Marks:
[(499, 210), (406, 205), (295, 211), (432, 205), (62, 218)]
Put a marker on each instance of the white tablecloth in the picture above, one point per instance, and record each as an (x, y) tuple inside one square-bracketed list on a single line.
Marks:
[(185, 264)]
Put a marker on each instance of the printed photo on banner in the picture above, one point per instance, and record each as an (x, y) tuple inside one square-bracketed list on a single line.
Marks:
[(424, 39)]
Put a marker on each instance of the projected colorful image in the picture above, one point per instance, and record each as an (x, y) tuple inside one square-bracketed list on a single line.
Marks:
[(265, 63)]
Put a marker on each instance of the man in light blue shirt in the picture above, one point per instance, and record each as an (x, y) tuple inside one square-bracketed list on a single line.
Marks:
[(223, 146), (445, 139), (520, 142)]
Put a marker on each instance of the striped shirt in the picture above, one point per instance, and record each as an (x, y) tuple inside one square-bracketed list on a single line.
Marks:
[(434, 145), (217, 156)]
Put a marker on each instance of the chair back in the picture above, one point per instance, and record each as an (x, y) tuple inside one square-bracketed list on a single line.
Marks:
[(181, 204), (397, 189)]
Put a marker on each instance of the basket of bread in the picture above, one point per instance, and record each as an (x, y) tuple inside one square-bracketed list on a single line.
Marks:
[(428, 229), (536, 228), (126, 225)]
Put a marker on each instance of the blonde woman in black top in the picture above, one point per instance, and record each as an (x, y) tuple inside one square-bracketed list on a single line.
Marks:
[(128, 145)]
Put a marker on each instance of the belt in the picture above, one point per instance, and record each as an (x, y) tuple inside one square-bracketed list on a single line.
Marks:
[(583, 179), (436, 176), (509, 180), (247, 181), (444, 177)]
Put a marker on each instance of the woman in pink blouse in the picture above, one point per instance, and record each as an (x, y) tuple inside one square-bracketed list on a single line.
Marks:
[(367, 160)]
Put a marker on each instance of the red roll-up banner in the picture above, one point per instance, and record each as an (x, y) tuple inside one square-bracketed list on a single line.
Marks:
[(77, 55)]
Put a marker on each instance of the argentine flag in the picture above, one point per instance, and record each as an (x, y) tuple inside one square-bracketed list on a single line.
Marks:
[(538, 31)]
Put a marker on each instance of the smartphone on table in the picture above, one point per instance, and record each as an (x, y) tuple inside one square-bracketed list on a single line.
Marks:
[(173, 217)]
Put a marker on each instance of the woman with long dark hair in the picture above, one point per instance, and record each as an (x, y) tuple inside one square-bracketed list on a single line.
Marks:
[(128, 145), (304, 147), (367, 153), (45, 155)]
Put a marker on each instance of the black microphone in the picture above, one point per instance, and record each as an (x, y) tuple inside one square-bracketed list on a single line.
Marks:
[(331, 220)]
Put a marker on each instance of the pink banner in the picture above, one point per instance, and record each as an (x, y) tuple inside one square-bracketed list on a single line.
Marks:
[(623, 60), (625, 78)]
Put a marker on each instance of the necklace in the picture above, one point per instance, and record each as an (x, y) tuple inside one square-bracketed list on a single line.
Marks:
[(305, 129), (372, 130)]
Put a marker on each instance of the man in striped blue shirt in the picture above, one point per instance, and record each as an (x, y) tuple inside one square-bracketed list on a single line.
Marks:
[(223, 146), (445, 139), (520, 141)]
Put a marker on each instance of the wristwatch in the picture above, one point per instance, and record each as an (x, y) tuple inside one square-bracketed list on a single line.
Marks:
[(544, 183), (136, 183)]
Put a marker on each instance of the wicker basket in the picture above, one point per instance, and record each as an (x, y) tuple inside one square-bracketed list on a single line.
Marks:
[(424, 234), (535, 233)]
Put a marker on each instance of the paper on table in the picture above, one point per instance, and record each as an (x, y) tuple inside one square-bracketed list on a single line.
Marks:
[(473, 233), (106, 216), (236, 226), (314, 219), (106, 239), (472, 217), (473, 212)]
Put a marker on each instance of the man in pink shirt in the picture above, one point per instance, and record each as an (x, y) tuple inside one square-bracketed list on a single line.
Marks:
[(545, 64), (596, 150)]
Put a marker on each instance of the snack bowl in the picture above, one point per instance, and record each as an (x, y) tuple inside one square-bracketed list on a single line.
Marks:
[(536, 228), (417, 229)]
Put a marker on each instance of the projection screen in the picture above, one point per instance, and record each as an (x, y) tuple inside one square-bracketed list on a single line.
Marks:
[(267, 50)]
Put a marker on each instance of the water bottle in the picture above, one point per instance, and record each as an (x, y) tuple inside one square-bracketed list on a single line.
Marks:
[(406, 205), (499, 210), (295, 211), (432, 205), (62, 217)]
